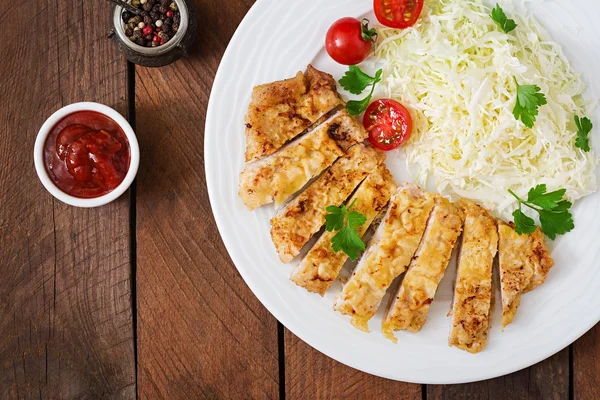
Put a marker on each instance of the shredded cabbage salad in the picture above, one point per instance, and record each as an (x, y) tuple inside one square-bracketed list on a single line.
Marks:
[(455, 73)]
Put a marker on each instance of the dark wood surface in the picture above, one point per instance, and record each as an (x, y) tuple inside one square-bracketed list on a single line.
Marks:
[(139, 298)]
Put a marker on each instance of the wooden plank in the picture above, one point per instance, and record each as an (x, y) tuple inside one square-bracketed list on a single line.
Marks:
[(65, 301), (586, 365), (310, 374), (201, 332), (548, 380)]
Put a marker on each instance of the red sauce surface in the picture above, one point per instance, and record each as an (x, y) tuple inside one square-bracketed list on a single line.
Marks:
[(86, 154)]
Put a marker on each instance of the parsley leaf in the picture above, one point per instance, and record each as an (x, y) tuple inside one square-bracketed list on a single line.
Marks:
[(505, 23), (524, 225), (348, 241), (356, 81), (555, 217), (529, 99), (547, 201), (346, 221), (584, 127)]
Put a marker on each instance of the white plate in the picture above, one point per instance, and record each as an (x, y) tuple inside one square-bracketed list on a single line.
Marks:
[(276, 39)]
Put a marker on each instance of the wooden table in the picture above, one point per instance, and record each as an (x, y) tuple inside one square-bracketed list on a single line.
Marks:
[(139, 297)]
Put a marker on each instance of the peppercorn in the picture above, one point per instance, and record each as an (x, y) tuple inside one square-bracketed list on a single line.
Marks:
[(126, 15), (131, 25), (163, 36), (155, 7), (140, 41), (147, 19), (155, 43), (147, 7), (154, 15), (173, 6), (168, 21), (135, 36), (137, 19), (163, 9), (128, 32), (135, 3), (153, 2), (149, 36), (166, 28), (176, 18), (147, 30), (175, 27), (165, 3), (158, 23)]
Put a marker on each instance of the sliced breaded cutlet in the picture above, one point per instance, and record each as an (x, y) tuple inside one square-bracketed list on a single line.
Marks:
[(279, 176), (408, 308), (321, 266), (473, 289), (387, 256), (524, 264), (280, 111), (294, 225)]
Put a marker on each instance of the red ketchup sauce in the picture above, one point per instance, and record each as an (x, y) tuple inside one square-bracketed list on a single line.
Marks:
[(86, 154)]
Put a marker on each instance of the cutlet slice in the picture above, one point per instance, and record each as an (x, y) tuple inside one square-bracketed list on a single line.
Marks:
[(278, 176), (408, 308), (321, 266), (525, 262), (282, 110), (387, 256), (304, 216), (473, 289)]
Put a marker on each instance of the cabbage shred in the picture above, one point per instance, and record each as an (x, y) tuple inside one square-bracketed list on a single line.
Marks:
[(455, 73)]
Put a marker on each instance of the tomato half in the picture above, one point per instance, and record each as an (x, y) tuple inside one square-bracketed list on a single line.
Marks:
[(398, 13), (349, 41), (389, 124)]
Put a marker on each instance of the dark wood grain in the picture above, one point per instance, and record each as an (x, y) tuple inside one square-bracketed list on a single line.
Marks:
[(201, 332), (548, 380), (65, 300), (586, 366), (310, 374)]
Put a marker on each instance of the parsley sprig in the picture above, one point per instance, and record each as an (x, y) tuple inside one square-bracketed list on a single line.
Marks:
[(356, 81), (346, 221), (529, 99), (584, 127), (501, 19), (554, 213)]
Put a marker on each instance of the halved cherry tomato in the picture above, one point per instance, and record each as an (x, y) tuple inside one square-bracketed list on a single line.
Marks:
[(389, 124), (349, 41), (398, 13)]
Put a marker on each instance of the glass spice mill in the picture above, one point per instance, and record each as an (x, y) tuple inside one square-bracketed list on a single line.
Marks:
[(153, 33)]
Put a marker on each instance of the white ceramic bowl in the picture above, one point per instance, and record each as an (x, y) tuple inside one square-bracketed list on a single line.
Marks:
[(38, 154)]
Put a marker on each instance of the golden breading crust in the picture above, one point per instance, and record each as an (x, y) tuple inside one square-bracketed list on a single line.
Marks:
[(473, 290), (321, 266), (304, 216), (280, 111), (525, 262), (277, 177), (387, 255), (408, 308)]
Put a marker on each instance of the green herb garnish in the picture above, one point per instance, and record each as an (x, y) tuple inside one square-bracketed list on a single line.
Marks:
[(584, 127), (505, 23), (529, 99), (555, 217), (346, 221), (356, 81)]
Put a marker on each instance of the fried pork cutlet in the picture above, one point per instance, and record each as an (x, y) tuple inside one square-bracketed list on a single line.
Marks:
[(408, 308), (387, 256), (280, 111), (277, 177), (473, 290), (524, 265), (304, 216), (321, 266)]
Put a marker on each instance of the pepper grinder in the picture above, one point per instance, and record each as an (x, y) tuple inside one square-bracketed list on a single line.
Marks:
[(165, 54)]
